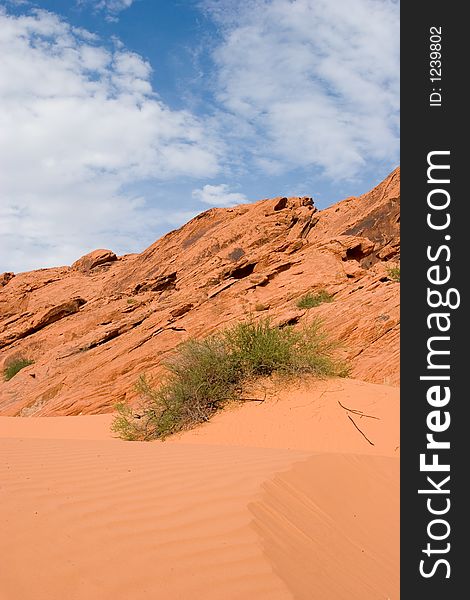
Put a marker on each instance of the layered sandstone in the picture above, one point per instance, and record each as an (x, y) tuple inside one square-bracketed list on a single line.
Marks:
[(93, 328)]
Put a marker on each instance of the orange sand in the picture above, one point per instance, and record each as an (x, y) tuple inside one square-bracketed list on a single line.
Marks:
[(280, 500)]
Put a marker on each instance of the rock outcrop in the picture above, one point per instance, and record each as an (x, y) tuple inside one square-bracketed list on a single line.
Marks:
[(94, 259), (5, 278), (93, 328)]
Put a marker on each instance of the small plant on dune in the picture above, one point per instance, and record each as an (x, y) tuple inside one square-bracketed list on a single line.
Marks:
[(15, 367), (204, 375), (311, 300), (394, 273)]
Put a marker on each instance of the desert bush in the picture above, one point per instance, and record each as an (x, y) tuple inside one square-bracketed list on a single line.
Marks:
[(394, 273), (260, 307), (204, 375), (311, 300), (15, 367)]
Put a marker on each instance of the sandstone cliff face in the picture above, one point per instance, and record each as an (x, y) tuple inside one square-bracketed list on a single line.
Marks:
[(93, 328)]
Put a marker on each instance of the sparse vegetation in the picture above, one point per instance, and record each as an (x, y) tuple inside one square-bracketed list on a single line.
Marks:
[(394, 273), (204, 375), (311, 300), (15, 367), (260, 307)]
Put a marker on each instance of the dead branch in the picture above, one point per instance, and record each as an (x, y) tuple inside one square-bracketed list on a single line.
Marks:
[(357, 412), (360, 431), (251, 399)]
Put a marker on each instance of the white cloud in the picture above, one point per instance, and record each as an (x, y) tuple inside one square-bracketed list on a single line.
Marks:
[(316, 81), (78, 124), (110, 7), (301, 86), (115, 5), (218, 195)]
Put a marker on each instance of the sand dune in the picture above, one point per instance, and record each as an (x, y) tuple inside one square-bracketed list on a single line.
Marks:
[(329, 527), (310, 417), (280, 500)]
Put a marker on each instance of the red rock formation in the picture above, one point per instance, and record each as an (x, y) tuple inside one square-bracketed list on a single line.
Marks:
[(92, 329), (94, 259)]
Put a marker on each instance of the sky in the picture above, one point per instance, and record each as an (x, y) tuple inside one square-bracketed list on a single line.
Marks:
[(122, 119)]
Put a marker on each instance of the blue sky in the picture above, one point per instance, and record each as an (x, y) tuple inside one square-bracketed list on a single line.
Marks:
[(122, 119)]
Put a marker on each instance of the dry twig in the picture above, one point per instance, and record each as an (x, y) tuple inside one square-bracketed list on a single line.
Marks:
[(357, 412), (360, 431)]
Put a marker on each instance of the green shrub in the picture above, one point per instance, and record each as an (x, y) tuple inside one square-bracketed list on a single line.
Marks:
[(394, 273), (260, 307), (312, 300), (204, 375), (15, 367)]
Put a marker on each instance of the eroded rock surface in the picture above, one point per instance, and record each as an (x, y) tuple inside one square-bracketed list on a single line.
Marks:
[(94, 259), (92, 329)]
